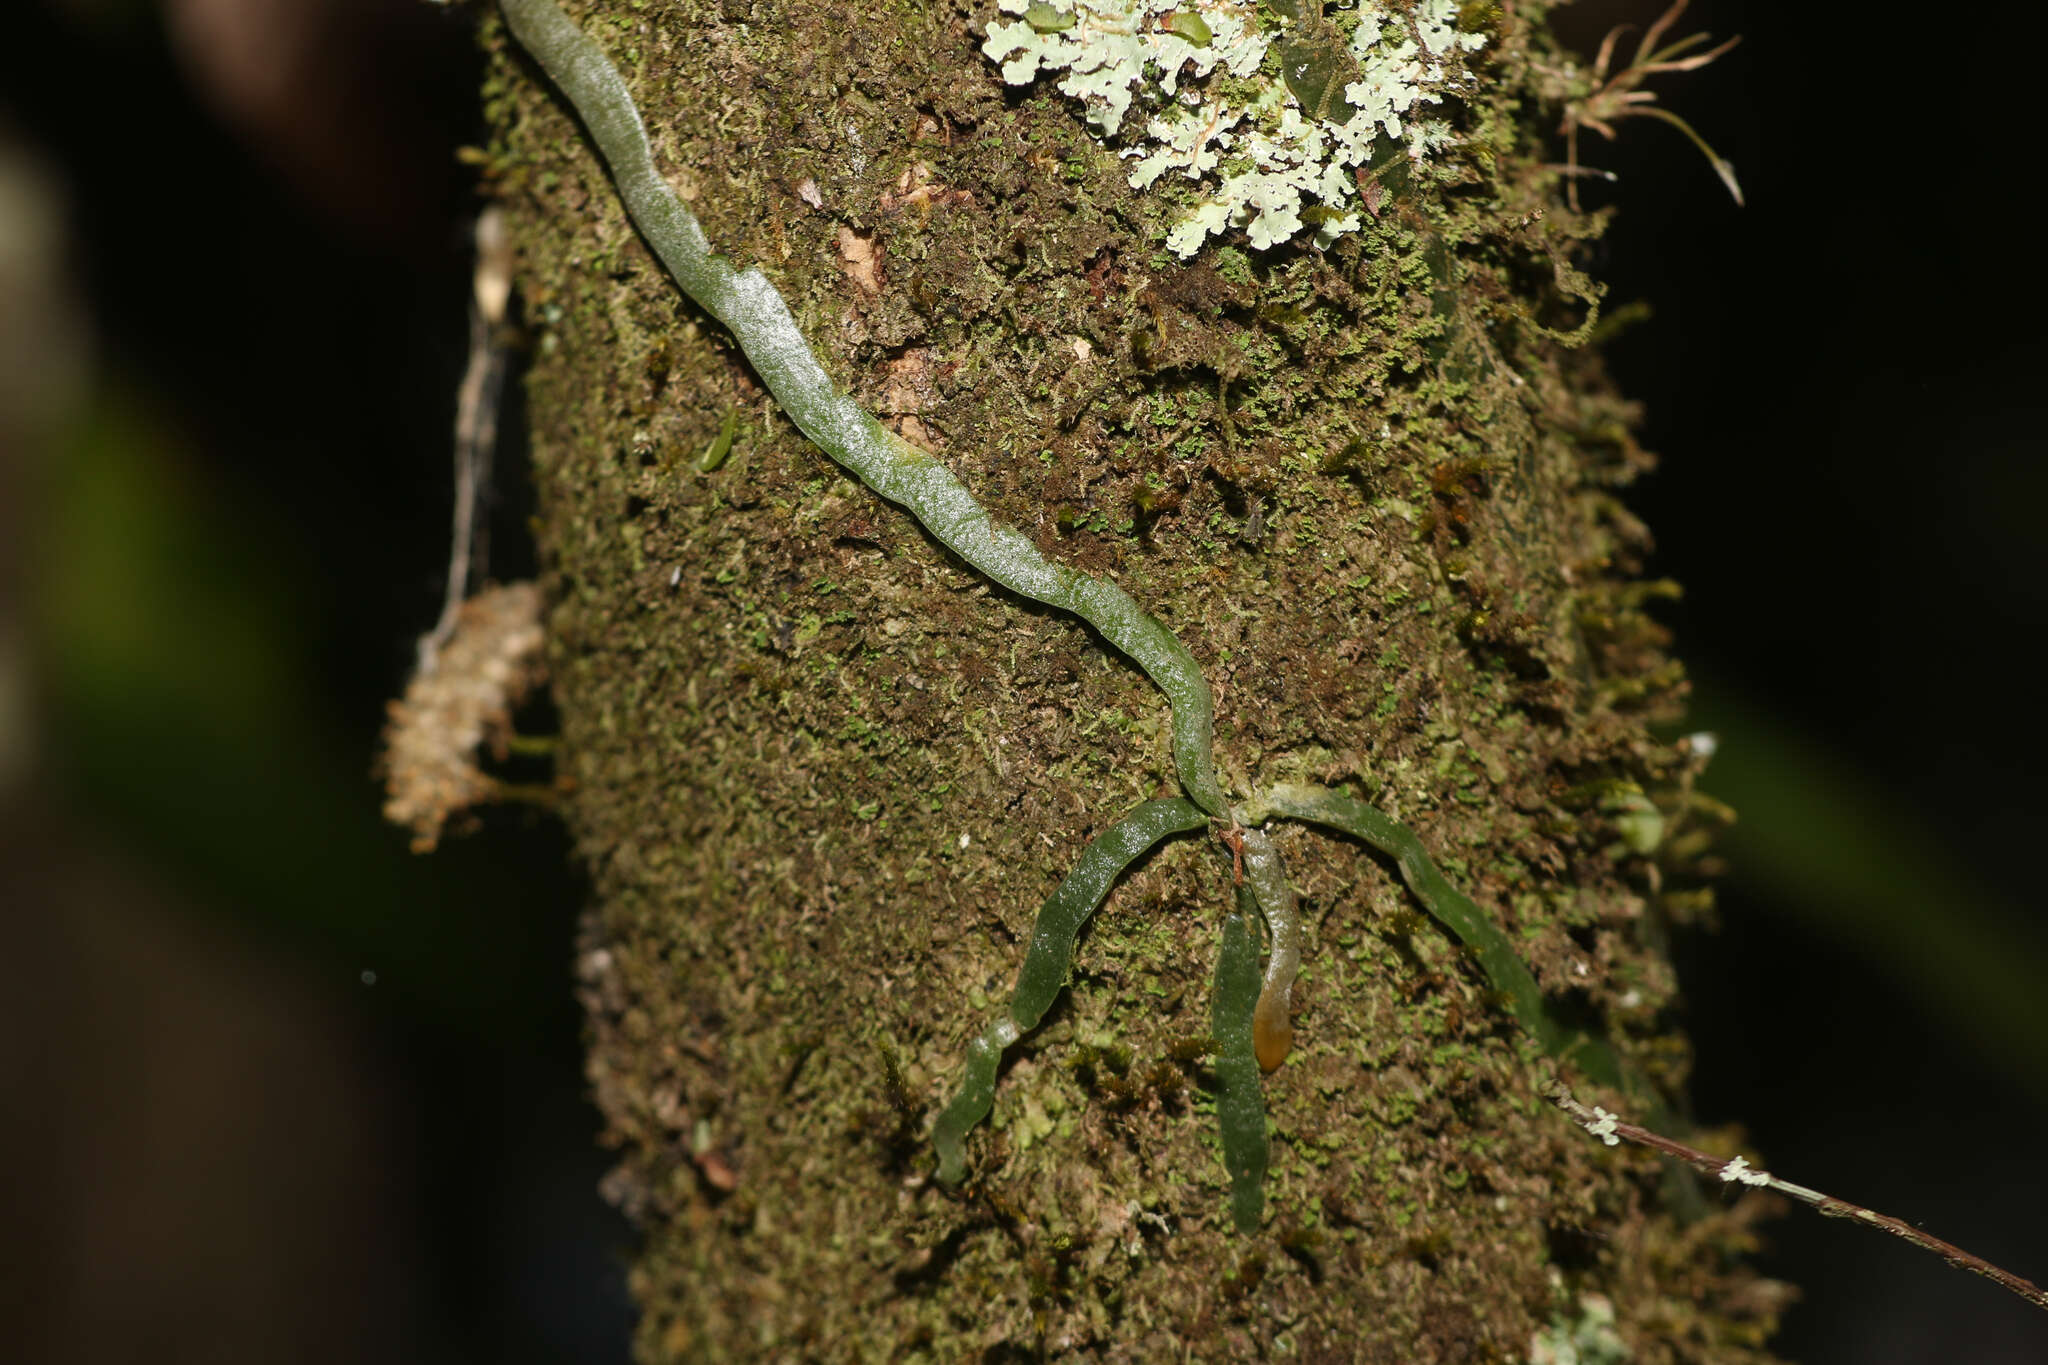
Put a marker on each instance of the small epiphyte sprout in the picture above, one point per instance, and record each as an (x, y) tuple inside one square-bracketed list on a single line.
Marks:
[(1618, 95)]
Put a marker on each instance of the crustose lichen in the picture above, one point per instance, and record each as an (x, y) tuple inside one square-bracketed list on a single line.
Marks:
[(1272, 113)]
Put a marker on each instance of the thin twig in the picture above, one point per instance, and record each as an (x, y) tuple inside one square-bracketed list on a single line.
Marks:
[(476, 427), (1611, 1130)]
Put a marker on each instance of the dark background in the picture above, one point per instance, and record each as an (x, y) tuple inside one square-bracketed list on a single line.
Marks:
[(276, 1089)]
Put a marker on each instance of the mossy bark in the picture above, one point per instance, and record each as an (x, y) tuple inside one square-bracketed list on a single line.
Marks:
[(823, 774)]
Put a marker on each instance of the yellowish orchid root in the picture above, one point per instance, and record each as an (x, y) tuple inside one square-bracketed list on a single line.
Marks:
[(1273, 1020)]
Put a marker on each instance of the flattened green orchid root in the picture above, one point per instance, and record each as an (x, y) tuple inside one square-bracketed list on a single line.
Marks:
[(1240, 1107), (1452, 908), (753, 310), (1044, 972), (1455, 911), (977, 1096)]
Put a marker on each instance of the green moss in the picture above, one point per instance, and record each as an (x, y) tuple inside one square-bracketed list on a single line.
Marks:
[(742, 906)]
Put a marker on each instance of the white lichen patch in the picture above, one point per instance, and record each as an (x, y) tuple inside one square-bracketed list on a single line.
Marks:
[(1106, 48), (1217, 108), (1740, 1169), (1588, 1340)]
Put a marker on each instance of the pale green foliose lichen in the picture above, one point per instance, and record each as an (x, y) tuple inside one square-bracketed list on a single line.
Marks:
[(1263, 162)]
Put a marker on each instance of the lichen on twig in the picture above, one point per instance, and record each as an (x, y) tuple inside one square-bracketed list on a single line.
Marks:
[(1612, 1130)]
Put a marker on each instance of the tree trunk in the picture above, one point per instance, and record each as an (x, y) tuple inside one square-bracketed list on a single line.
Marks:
[(824, 773)]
